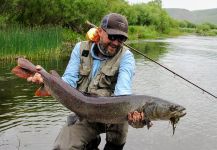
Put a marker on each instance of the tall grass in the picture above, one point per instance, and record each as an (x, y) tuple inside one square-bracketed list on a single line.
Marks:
[(36, 43), (150, 32)]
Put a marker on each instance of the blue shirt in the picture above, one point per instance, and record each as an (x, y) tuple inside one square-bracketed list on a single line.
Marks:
[(125, 75)]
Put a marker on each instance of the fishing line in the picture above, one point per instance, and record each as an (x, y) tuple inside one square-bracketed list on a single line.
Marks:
[(176, 74)]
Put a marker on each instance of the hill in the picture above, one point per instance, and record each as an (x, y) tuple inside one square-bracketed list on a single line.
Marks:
[(196, 16)]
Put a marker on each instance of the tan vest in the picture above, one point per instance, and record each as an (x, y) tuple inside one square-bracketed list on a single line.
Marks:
[(103, 84)]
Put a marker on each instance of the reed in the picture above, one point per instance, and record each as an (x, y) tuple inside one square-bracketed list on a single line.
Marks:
[(35, 43)]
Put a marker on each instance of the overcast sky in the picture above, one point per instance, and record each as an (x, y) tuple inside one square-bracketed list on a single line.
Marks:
[(187, 4)]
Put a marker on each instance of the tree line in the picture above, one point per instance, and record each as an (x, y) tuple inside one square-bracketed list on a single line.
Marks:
[(74, 13)]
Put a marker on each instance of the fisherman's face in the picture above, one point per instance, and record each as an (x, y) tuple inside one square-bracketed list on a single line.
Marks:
[(111, 44)]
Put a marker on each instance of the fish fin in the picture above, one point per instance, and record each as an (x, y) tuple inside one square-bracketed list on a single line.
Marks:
[(174, 122), (54, 73), (42, 92), (174, 128), (21, 72), (148, 123)]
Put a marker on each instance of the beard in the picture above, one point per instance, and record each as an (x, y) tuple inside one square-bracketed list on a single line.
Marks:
[(104, 48)]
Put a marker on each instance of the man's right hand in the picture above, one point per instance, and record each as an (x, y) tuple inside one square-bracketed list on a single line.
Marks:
[(36, 78)]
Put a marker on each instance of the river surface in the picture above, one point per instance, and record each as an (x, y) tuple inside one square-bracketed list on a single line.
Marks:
[(32, 123)]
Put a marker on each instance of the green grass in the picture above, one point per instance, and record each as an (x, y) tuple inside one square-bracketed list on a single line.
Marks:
[(149, 32), (37, 42), (142, 32)]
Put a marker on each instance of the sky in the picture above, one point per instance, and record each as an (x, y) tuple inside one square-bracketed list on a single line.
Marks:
[(186, 4)]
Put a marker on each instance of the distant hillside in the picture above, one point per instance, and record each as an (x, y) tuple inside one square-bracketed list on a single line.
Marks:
[(197, 16)]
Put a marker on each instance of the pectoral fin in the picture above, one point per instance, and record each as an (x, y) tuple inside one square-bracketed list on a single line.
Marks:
[(42, 91)]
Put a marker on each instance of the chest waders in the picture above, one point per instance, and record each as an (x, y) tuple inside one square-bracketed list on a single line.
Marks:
[(85, 135), (103, 84)]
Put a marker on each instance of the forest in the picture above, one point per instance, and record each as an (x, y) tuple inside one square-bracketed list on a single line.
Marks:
[(40, 28)]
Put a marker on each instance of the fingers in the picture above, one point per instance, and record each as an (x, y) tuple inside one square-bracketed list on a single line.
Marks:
[(138, 120), (37, 78), (136, 116), (29, 79), (38, 67)]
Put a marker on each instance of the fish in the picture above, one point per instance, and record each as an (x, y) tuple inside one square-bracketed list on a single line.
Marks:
[(109, 110)]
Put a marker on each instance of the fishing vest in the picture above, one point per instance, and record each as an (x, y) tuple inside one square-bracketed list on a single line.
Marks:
[(103, 84)]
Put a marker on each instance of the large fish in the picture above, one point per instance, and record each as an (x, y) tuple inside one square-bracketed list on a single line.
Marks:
[(113, 109)]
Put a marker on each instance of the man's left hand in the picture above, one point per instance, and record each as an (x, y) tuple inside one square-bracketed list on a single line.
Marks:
[(137, 119)]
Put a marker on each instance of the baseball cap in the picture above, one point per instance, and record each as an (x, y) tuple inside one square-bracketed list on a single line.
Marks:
[(115, 24)]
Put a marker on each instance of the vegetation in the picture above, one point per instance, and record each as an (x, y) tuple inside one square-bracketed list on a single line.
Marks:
[(48, 28), (37, 42), (201, 22), (205, 29)]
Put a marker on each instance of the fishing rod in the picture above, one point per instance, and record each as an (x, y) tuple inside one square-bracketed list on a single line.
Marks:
[(130, 47)]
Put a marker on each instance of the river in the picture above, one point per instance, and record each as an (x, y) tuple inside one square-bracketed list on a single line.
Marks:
[(31, 123)]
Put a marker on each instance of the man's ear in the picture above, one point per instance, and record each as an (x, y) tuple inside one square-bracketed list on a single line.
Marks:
[(100, 30)]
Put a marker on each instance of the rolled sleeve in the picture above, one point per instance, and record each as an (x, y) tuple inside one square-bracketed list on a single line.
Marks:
[(71, 74), (125, 75)]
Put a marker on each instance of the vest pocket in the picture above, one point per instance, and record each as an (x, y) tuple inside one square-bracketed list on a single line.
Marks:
[(108, 77), (83, 77), (83, 74), (109, 71), (84, 70)]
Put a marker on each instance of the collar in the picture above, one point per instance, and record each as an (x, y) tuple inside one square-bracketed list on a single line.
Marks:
[(93, 54)]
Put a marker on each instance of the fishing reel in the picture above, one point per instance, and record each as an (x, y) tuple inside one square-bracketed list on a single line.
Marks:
[(93, 35)]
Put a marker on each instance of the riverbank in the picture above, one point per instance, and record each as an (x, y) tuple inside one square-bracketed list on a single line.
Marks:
[(54, 42)]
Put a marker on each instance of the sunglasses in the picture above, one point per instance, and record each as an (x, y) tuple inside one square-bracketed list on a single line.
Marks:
[(120, 38), (113, 37)]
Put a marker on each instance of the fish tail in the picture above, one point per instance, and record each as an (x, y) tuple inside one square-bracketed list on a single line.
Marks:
[(21, 72)]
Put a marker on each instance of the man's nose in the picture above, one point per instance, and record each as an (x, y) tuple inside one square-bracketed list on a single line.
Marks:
[(116, 42)]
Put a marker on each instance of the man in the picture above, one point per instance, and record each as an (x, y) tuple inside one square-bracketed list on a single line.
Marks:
[(104, 68)]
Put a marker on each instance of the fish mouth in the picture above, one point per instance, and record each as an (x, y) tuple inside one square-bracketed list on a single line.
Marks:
[(182, 112), (178, 112)]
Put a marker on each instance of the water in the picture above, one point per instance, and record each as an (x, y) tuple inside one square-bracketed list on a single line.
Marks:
[(30, 123)]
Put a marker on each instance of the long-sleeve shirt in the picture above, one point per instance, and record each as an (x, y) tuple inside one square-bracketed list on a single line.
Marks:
[(125, 74)]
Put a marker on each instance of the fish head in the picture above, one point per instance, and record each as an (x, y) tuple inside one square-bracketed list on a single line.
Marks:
[(170, 112), (163, 110)]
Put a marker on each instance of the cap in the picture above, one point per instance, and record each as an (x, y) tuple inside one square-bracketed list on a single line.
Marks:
[(115, 24)]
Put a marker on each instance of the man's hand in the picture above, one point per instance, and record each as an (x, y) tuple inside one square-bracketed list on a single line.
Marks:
[(137, 120), (36, 78)]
